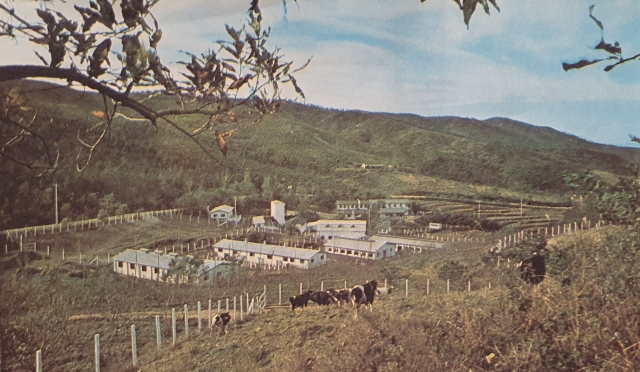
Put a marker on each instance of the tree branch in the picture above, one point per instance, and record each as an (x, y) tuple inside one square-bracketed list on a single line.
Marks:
[(15, 72)]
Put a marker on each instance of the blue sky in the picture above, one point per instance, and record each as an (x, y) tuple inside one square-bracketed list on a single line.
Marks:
[(408, 56)]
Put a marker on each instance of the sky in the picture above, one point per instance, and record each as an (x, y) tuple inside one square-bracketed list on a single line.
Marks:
[(405, 56)]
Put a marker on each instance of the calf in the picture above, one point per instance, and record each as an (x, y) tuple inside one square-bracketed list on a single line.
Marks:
[(363, 294), (323, 298), (300, 300), (385, 291), (221, 320)]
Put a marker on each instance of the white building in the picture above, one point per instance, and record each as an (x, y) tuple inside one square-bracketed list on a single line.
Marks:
[(155, 265), (267, 255), (277, 211), (222, 213), (408, 244), (369, 249), (388, 208), (329, 229)]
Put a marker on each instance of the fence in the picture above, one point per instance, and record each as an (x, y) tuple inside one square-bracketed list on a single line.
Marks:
[(87, 224)]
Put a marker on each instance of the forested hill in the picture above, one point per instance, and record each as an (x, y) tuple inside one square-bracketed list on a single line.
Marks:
[(302, 154)]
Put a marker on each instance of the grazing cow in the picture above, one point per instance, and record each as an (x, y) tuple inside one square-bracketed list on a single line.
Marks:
[(323, 298), (344, 295), (533, 269), (300, 300), (363, 295), (221, 320)]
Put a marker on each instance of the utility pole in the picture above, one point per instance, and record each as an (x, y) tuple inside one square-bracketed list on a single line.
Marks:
[(56, 201), (520, 206)]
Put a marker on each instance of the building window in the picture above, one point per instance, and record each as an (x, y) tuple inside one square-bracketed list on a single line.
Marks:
[(330, 249), (370, 254), (301, 260), (155, 270), (144, 267), (330, 237), (120, 264), (220, 249), (132, 266), (321, 257), (312, 260), (251, 254), (349, 252), (285, 259), (269, 256), (235, 252)]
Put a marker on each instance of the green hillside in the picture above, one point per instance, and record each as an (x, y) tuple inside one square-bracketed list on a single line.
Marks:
[(302, 154)]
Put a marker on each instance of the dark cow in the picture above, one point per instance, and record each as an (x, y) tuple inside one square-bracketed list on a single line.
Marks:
[(533, 270), (363, 295), (221, 320), (344, 295), (300, 300), (323, 298)]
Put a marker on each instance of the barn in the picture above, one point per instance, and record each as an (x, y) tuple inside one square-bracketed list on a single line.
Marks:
[(154, 265), (268, 255), (328, 229), (409, 244), (369, 249), (142, 263)]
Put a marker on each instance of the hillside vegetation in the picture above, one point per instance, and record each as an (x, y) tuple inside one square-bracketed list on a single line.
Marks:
[(304, 155)]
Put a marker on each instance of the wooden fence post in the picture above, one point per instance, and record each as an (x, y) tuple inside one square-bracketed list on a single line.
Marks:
[(210, 316), (173, 325), (227, 310), (428, 286), (96, 351), (345, 284), (134, 346), (300, 288), (234, 307), (406, 288), (241, 309), (469, 286), (39, 361), (158, 333), (322, 286), (279, 294), (186, 321), (447, 285), (199, 317)]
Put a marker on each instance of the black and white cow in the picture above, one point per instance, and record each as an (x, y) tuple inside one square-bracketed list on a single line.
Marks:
[(363, 295), (300, 300), (344, 296), (323, 298), (221, 320)]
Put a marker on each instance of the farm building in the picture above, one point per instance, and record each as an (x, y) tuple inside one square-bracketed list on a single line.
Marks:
[(267, 255), (223, 214), (369, 249), (408, 244), (328, 229), (154, 265), (264, 223), (388, 208)]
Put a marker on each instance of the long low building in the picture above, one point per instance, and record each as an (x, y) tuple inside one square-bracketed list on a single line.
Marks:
[(268, 255), (155, 265), (329, 229), (369, 249), (408, 244)]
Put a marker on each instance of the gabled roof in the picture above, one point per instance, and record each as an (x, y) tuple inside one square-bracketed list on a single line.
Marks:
[(277, 250), (408, 241), (224, 208), (356, 244), (154, 259), (334, 224), (211, 264)]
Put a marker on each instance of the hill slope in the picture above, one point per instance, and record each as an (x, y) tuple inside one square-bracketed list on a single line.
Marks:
[(315, 151)]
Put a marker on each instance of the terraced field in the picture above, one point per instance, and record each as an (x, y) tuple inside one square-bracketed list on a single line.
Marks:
[(527, 217)]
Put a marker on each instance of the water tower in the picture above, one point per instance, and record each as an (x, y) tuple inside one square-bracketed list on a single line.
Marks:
[(277, 211)]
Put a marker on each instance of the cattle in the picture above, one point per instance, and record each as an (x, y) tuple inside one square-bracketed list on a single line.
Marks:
[(385, 291), (363, 295), (344, 295), (323, 298), (221, 320), (300, 300), (533, 269)]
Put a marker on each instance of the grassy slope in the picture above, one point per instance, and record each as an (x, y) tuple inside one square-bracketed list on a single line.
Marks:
[(583, 315)]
